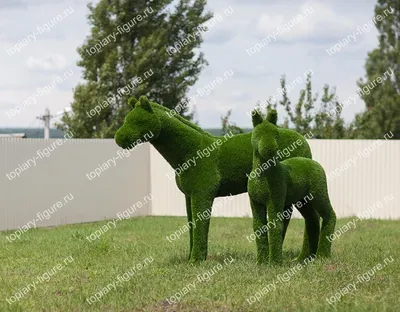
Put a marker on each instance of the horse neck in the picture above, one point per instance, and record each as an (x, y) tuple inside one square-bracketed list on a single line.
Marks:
[(177, 142)]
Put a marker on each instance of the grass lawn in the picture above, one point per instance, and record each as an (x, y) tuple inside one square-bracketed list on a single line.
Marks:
[(64, 269)]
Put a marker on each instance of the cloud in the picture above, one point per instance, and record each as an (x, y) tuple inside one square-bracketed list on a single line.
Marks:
[(219, 36), (239, 95), (255, 77), (52, 62), (254, 72), (24, 4), (313, 21)]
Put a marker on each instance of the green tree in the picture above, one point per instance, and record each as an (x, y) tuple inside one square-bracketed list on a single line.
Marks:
[(381, 86), (324, 122), (227, 126), (328, 122), (136, 48), (301, 117)]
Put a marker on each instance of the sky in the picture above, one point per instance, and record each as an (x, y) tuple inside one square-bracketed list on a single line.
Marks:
[(250, 47)]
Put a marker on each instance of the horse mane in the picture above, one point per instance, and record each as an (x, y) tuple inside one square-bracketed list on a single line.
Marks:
[(181, 119)]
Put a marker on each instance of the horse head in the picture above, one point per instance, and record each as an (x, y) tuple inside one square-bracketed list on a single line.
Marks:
[(141, 124)]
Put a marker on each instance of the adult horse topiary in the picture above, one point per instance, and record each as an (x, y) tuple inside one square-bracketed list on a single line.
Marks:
[(225, 171)]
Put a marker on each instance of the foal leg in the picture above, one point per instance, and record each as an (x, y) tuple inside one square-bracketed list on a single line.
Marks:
[(311, 232), (287, 213), (260, 226), (325, 210), (274, 207)]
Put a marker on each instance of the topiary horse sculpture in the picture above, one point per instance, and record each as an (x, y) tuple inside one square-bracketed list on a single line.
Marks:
[(282, 184), (224, 172)]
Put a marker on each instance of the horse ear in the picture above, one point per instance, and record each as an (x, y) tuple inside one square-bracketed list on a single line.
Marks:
[(256, 117), (145, 103), (132, 102), (272, 116)]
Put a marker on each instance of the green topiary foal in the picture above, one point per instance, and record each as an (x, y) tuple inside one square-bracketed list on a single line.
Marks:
[(224, 171), (283, 183)]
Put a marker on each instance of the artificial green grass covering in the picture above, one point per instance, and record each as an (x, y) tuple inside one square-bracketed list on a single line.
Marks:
[(276, 186), (212, 166)]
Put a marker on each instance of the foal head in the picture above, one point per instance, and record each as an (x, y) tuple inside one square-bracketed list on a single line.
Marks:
[(265, 136)]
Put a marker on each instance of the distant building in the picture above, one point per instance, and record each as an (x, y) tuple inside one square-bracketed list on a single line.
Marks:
[(29, 133), (12, 135)]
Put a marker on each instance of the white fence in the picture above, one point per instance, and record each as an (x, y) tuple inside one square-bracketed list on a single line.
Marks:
[(67, 170), (37, 195), (359, 184)]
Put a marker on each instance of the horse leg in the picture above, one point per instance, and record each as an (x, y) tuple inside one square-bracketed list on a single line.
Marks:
[(201, 213), (190, 222)]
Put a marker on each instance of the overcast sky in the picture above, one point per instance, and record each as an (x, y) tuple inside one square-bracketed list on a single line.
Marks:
[(297, 47)]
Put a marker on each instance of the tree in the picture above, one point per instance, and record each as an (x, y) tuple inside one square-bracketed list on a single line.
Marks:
[(136, 48), (328, 121), (324, 123), (381, 88), (228, 127), (301, 117)]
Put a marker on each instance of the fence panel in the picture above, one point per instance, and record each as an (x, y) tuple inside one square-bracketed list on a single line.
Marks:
[(69, 170), (361, 174)]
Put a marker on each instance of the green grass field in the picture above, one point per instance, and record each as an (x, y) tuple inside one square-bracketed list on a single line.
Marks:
[(65, 270)]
